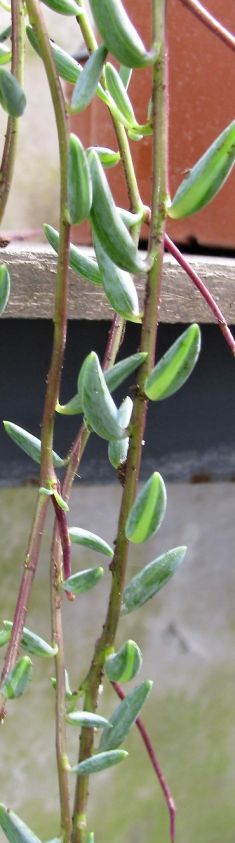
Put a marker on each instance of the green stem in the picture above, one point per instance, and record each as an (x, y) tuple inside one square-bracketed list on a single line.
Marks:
[(60, 706), (61, 290), (148, 343), (52, 392), (17, 64)]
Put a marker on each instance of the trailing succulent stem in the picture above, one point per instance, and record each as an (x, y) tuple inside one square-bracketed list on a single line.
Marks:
[(85, 195)]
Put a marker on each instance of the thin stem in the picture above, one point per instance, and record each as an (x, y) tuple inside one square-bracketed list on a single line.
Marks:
[(182, 260), (60, 706), (30, 565), (61, 290), (210, 22), (9, 150), (148, 341), (155, 763)]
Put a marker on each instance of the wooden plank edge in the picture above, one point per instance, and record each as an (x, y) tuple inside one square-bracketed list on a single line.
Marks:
[(33, 272)]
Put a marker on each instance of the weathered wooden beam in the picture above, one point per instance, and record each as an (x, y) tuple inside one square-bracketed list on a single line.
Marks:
[(33, 275)]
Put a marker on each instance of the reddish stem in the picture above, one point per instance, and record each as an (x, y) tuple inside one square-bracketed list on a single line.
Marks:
[(62, 524), (182, 260), (210, 22), (155, 763)]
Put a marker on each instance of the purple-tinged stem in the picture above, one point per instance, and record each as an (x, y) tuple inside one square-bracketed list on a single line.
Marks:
[(30, 565), (155, 763), (62, 524), (210, 22), (182, 260)]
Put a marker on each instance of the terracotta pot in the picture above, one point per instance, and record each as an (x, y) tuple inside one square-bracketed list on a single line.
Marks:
[(202, 85)]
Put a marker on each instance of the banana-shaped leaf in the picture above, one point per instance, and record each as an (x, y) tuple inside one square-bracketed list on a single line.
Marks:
[(121, 370), (119, 93), (88, 539), (99, 409), (113, 377), (4, 636), (130, 219), (151, 579), (86, 718), (17, 680), (12, 97), (123, 717), (83, 581), (108, 225), (4, 34), (29, 443), (90, 837), (4, 287), (148, 511), (125, 664), (86, 267), (67, 67), (119, 34), (86, 85), (125, 74), (31, 642), (207, 176), (14, 828), (108, 157), (64, 7), (5, 54), (79, 182), (118, 285), (99, 762), (117, 451), (175, 367)]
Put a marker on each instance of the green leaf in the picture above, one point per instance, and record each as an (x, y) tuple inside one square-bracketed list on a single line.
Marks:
[(67, 67), (121, 370), (86, 718), (99, 409), (5, 54), (14, 828), (44, 491), (4, 287), (148, 511), (61, 503), (88, 539), (125, 74), (4, 637), (113, 377), (83, 581), (107, 157), (117, 451), (86, 85), (29, 443), (119, 93), (64, 7), (17, 680), (129, 218), (86, 267), (31, 642), (125, 664), (151, 579), (12, 97), (207, 176), (118, 285), (4, 34), (124, 716), (79, 182), (99, 762), (72, 408), (90, 837), (175, 367)]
